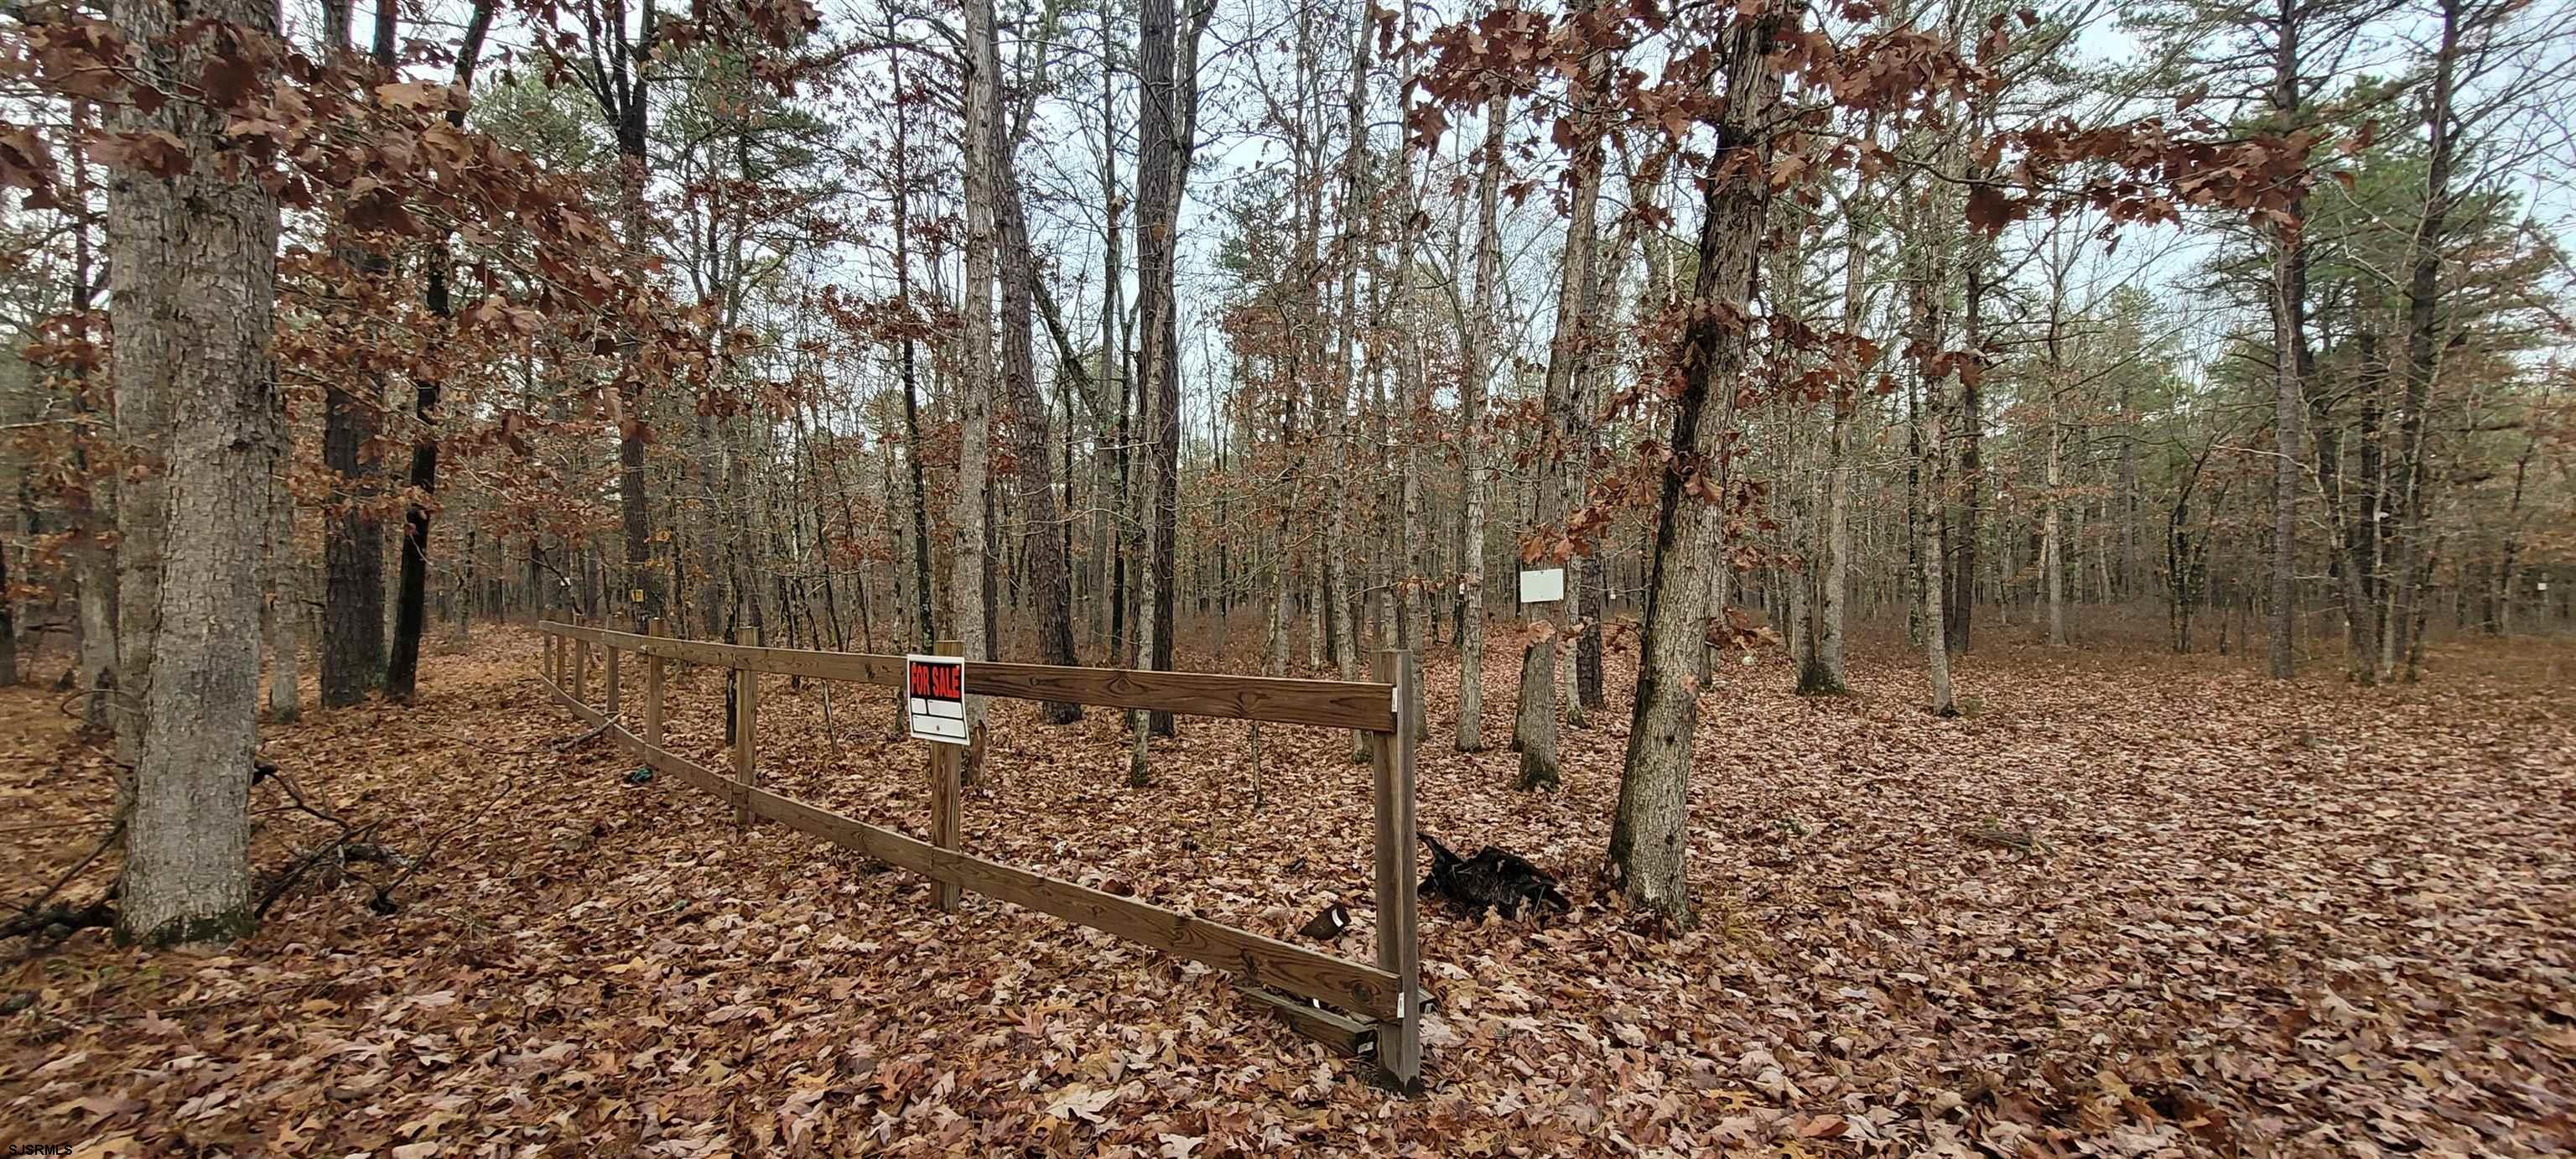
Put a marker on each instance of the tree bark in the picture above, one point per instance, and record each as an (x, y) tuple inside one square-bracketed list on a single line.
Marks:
[(285, 605), (402, 669), (1167, 95), (2051, 548), (1823, 671), (1924, 312), (1585, 439), (1959, 608), (1649, 835), (1535, 727), (1157, 212), (1936, 648), (968, 574), (2423, 344), (1480, 364), (194, 258), (2289, 355), (1139, 724), (353, 602), (92, 511), (1041, 537), (1111, 387)]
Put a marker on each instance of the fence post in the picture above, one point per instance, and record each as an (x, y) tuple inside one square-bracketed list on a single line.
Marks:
[(653, 689), (944, 762), (546, 655), (580, 665), (1399, 1043), (746, 719), (610, 679)]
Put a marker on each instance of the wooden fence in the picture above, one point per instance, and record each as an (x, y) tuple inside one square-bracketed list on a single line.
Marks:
[(1382, 999)]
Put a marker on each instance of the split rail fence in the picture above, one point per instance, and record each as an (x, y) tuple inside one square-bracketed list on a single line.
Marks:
[(1382, 999)]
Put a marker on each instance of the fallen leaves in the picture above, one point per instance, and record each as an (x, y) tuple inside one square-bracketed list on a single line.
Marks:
[(2236, 940)]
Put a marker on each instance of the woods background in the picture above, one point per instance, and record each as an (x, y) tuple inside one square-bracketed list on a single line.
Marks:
[(1258, 335)]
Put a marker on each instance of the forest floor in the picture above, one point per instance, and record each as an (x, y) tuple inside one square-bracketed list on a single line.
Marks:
[(2131, 905)]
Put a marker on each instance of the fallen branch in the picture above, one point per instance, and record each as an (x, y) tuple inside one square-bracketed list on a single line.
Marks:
[(566, 743), (287, 878), (65, 707), (62, 917), (29, 911), (83, 823), (265, 772)]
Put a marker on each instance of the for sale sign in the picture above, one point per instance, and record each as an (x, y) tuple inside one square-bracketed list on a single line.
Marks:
[(935, 692)]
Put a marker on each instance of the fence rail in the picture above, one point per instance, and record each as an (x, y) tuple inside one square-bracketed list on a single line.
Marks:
[(1368, 707), (1382, 992)]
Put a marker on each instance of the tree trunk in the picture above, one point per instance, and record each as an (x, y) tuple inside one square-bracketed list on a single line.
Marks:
[(1480, 363), (1927, 466), (1149, 464), (1649, 835), (1936, 650), (967, 572), (2289, 356), (1167, 93), (285, 604), (925, 633), (635, 507), (2423, 346), (9, 611), (1534, 734), (194, 262), (92, 510), (1585, 438), (1409, 597), (353, 600), (1042, 517), (1960, 606), (1332, 603), (1823, 674), (1111, 384), (2051, 549), (402, 669), (1156, 217)]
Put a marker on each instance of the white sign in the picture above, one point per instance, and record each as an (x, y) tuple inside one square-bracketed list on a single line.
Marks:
[(1543, 587), (935, 692)]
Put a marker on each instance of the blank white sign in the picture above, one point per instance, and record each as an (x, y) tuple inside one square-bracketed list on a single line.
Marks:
[(1543, 587)]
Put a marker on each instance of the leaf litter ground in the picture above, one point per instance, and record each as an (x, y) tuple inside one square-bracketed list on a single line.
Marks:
[(2132, 906)]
